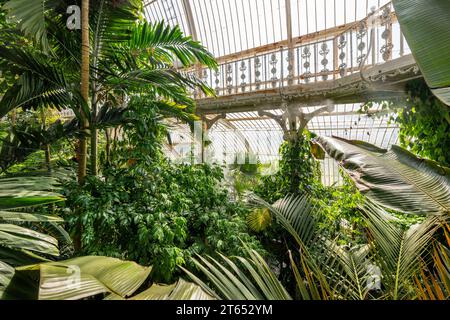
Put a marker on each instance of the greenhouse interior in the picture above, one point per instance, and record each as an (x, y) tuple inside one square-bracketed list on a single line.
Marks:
[(224, 150)]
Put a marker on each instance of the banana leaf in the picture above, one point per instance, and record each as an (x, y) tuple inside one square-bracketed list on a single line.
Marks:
[(182, 290), (426, 26), (12, 216), (19, 238), (17, 192), (89, 276), (20, 245), (395, 179), (6, 274)]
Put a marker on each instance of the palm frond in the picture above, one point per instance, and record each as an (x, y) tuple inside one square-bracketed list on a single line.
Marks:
[(398, 251), (435, 284), (259, 219), (295, 213), (161, 42), (31, 17), (246, 279)]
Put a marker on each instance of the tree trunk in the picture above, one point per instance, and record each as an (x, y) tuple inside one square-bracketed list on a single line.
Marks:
[(48, 157), (84, 89), (46, 146), (82, 150), (94, 137), (108, 145)]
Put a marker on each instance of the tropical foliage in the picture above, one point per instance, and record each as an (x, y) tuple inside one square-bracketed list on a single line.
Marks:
[(384, 267), (136, 226), (298, 170), (168, 212), (424, 121)]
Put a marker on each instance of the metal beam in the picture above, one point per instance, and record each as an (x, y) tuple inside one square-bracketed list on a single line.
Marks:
[(289, 22), (190, 19)]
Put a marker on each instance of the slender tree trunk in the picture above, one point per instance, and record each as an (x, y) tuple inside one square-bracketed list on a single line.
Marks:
[(108, 145), (94, 133), (82, 150), (94, 136), (48, 157), (46, 146), (84, 89)]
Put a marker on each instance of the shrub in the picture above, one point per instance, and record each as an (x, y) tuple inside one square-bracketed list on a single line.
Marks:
[(159, 214)]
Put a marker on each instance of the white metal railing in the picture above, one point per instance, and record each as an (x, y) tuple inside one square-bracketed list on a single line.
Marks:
[(373, 40)]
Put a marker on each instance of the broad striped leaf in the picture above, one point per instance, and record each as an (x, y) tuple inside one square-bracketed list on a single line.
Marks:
[(84, 277), (395, 179), (426, 26)]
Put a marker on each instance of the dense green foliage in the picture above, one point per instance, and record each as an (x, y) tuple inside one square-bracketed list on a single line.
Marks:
[(299, 239), (298, 171), (147, 209), (159, 215), (424, 122)]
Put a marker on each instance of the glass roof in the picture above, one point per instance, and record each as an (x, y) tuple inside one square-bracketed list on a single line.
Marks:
[(229, 26)]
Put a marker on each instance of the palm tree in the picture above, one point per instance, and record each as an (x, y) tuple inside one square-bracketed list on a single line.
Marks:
[(85, 51), (323, 269), (128, 56)]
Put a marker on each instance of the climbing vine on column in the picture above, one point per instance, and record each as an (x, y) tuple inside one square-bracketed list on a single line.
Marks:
[(298, 171)]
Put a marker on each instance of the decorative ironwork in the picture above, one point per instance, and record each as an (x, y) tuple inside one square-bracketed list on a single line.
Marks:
[(341, 46), (217, 81), (273, 62), (290, 66), (243, 68), (229, 71), (205, 75), (258, 73), (306, 55), (360, 34), (324, 62), (386, 22), (322, 58)]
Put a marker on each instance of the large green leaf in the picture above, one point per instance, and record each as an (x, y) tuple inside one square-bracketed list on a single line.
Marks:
[(20, 245), (181, 290), (6, 274), (19, 257), (11, 216), (88, 276), (20, 238), (426, 26), (16, 192), (396, 178)]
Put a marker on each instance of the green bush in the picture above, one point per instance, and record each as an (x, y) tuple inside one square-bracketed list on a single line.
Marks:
[(158, 215)]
